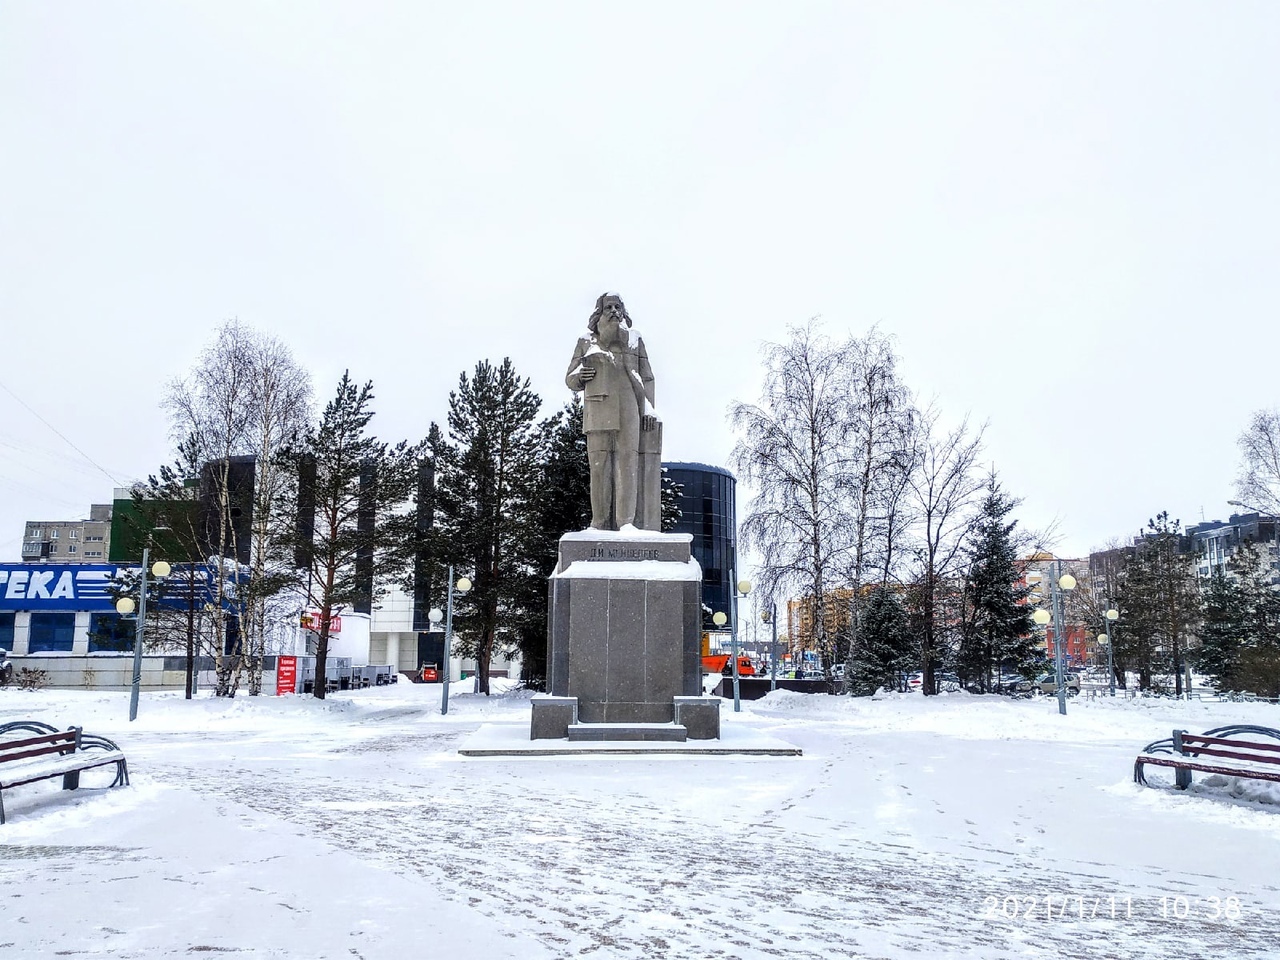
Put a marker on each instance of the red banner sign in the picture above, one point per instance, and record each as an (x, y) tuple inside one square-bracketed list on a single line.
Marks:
[(312, 621), (286, 675)]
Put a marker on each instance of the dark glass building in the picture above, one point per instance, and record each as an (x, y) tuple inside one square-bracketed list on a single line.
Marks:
[(709, 512)]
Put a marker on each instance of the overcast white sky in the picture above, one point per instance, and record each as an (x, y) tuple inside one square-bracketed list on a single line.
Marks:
[(1065, 213)]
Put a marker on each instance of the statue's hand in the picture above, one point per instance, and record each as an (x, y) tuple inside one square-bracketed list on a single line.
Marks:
[(588, 373), (648, 422)]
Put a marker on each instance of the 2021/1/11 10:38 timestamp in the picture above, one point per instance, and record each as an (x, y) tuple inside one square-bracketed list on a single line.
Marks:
[(1110, 907)]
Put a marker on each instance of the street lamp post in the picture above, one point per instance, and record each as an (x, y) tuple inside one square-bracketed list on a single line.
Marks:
[(462, 586), (719, 618), (770, 617), (1062, 584), (743, 587), (1107, 639), (435, 616), (125, 606)]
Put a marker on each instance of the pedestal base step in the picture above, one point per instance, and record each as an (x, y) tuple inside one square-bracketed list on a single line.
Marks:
[(628, 731)]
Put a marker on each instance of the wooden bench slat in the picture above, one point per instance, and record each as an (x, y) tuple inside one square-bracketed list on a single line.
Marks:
[(1230, 754), (67, 735), (1189, 740), (1186, 764), (62, 748)]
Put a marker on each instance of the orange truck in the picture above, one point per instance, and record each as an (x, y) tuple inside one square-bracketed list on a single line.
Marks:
[(719, 663)]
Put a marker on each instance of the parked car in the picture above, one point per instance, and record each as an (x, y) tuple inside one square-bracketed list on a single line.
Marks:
[(947, 682), (1011, 682), (1048, 683)]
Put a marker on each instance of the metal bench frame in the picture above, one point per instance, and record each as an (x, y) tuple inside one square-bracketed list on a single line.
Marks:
[(1183, 750), (70, 751)]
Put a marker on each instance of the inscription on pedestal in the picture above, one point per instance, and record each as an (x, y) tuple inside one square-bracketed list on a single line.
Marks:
[(624, 553), (593, 547)]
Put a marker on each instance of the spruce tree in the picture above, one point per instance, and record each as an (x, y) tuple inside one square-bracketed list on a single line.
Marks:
[(1224, 632), (885, 648), (1239, 639), (996, 627), (672, 495), (1260, 660)]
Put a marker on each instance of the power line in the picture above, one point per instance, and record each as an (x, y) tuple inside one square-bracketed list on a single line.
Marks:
[(116, 480)]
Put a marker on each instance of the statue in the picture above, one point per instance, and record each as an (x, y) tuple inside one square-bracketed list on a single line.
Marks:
[(610, 367)]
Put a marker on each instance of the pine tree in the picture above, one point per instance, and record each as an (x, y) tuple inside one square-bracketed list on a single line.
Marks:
[(165, 512), (487, 483), (359, 483), (1159, 604), (996, 626), (562, 504)]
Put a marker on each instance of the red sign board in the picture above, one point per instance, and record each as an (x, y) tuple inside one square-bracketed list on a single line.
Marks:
[(286, 675), (312, 621)]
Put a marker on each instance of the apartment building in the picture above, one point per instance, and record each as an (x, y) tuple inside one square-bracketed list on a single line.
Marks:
[(69, 541), (1214, 542)]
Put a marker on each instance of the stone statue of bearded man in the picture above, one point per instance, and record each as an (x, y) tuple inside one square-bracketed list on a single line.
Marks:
[(610, 366)]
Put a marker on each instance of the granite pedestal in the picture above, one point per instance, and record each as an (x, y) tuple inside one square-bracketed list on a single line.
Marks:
[(624, 628)]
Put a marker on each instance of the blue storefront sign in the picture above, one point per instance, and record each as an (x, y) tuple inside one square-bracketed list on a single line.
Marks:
[(80, 586), (74, 587)]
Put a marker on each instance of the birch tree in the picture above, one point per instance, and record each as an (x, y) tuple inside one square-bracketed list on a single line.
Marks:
[(1258, 482), (280, 405), (943, 488), (883, 420), (243, 398), (795, 451)]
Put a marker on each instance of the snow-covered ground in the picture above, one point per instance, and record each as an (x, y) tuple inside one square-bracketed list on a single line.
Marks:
[(288, 827)]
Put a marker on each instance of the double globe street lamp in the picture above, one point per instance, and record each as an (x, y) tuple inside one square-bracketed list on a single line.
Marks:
[(770, 617), (743, 587), (461, 586), (125, 607), (1106, 640), (1063, 584)]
